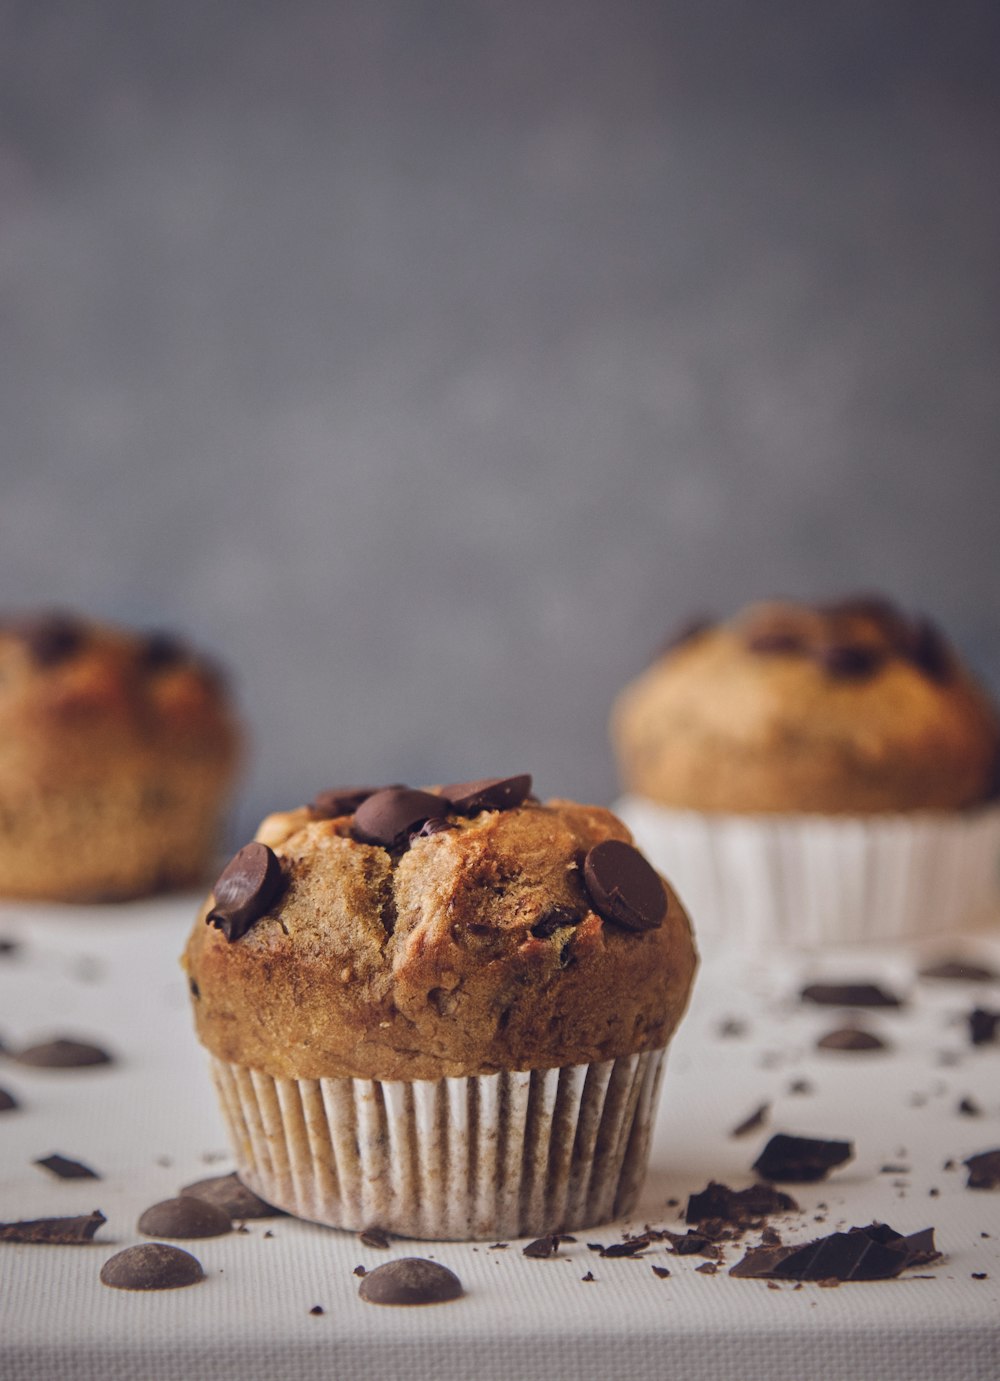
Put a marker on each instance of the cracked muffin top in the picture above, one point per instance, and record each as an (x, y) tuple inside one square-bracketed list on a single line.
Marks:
[(845, 708), (401, 934)]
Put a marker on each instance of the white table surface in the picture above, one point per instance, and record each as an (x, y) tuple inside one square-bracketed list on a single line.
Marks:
[(149, 1124)]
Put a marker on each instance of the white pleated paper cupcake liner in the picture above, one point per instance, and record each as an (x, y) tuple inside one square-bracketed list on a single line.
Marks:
[(814, 880), (502, 1155)]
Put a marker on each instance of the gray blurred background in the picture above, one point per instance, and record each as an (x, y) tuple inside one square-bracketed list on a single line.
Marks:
[(431, 361)]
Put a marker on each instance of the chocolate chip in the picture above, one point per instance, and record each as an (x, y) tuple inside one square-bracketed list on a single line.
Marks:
[(229, 1193), (185, 1216), (983, 1026), (849, 995), (390, 816), (968, 1107), (340, 800), (410, 1280), (542, 1246), (739, 1207), (775, 642), (850, 1038), (623, 887), (929, 651), (876, 1252), (246, 889), (51, 638), (7, 1101), (438, 825), (801, 1159), (62, 1232), (62, 1053), (160, 650), (984, 1170), (151, 1266), (850, 661), (375, 1238), (556, 919), (66, 1169), (753, 1123), (490, 793), (960, 970)]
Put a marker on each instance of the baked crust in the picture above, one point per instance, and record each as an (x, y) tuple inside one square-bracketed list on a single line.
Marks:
[(117, 757), (767, 713), (423, 965)]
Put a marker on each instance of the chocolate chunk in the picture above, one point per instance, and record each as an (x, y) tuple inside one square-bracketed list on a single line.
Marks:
[(850, 661), (229, 1193), (961, 971), (542, 1246), (160, 650), (185, 1216), (876, 1252), (151, 1266), (66, 1169), (390, 816), (556, 919), (801, 1159), (632, 1246), (60, 1232), (968, 1107), (491, 793), (62, 1053), (929, 651), (849, 995), (692, 1243), (7, 1101), (740, 1207), (341, 800), (410, 1280), (623, 887), (753, 1123), (775, 641), (51, 638), (246, 889), (984, 1170), (850, 1038), (376, 1238), (983, 1026)]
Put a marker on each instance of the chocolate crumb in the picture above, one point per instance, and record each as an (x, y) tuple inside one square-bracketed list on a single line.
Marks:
[(983, 1026), (968, 1107), (361, 1270), (849, 995), (732, 1028), (62, 1232), (708, 1268), (890, 1169), (800, 1159), (800, 1086), (317, 1309), (979, 1275), (590, 1275), (498, 1246), (984, 1170), (632, 1247), (753, 1123), (661, 1271), (376, 1238), (66, 1169), (542, 1247)]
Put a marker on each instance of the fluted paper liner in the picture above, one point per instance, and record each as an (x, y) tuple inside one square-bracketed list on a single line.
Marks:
[(513, 1154), (815, 880)]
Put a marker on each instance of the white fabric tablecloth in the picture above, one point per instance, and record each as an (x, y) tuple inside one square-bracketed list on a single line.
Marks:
[(149, 1124)]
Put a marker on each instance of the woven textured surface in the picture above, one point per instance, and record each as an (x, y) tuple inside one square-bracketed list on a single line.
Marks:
[(150, 1124)]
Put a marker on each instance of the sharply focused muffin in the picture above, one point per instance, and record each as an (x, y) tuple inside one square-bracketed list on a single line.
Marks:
[(815, 772), (442, 1012), (118, 752)]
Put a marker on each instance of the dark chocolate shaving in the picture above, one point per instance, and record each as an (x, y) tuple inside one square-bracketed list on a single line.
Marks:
[(753, 1123), (801, 1159), (65, 1169), (60, 1232), (632, 1246)]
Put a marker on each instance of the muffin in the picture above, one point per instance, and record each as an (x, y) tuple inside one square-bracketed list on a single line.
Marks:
[(443, 1012), (117, 754), (815, 773)]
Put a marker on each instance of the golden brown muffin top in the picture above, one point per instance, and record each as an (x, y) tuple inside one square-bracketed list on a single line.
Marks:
[(844, 708), (77, 697), (417, 935)]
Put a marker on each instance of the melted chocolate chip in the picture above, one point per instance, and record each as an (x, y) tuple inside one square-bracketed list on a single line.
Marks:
[(65, 1169), (340, 800), (151, 1266), (801, 1159), (410, 1280), (62, 1232), (850, 661), (160, 651), (850, 1038), (390, 816), (52, 638), (62, 1053), (229, 1193), (623, 887), (849, 995), (185, 1216), (491, 793), (247, 888)]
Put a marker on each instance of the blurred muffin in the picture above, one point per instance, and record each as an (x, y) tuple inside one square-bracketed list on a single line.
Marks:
[(442, 1013), (117, 755), (815, 772)]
